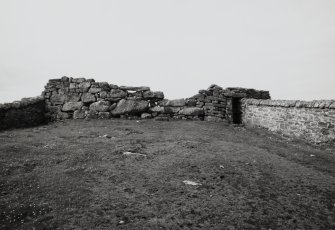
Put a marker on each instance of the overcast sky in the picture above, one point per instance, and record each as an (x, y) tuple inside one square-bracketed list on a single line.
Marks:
[(176, 46)]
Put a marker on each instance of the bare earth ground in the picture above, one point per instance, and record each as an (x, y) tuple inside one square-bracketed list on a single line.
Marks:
[(67, 176)]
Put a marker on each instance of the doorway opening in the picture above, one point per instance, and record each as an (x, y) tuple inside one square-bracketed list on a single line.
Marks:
[(237, 110)]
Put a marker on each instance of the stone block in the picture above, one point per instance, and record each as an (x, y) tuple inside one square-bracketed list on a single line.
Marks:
[(57, 99), (72, 106), (100, 106), (79, 114), (171, 110), (104, 115), (84, 86), (131, 88), (104, 86), (146, 115), (156, 109), (78, 80), (62, 115), (175, 103), (192, 111), (88, 98), (73, 97), (117, 93), (130, 107), (94, 89)]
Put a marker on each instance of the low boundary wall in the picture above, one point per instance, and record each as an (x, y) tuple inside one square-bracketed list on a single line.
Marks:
[(313, 121), (25, 113)]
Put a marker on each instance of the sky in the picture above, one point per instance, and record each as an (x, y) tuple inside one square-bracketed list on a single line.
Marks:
[(174, 46)]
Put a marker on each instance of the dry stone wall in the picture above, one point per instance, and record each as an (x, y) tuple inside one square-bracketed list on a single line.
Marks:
[(313, 121), (81, 98), (25, 113)]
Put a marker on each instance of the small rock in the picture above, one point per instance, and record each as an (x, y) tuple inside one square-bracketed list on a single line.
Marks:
[(188, 182), (145, 115), (134, 154)]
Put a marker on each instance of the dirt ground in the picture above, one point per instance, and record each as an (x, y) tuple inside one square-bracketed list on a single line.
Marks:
[(75, 175)]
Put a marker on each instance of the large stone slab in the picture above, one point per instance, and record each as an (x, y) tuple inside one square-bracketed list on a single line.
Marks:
[(132, 88), (130, 107), (117, 93), (192, 111), (100, 106), (72, 106), (153, 95), (175, 103)]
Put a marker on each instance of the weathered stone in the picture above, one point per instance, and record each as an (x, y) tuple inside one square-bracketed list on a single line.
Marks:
[(73, 97), (100, 106), (79, 114), (65, 79), (153, 95), (113, 86), (84, 86), (159, 95), (72, 106), (104, 115), (130, 107), (88, 98), (104, 86), (176, 103), (214, 87), (117, 93), (131, 88), (57, 99), (78, 80), (191, 102), (145, 115), (148, 95), (113, 106), (156, 109), (192, 111), (54, 109), (116, 99), (62, 115), (92, 114), (104, 94), (73, 86), (94, 89), (171, 110)]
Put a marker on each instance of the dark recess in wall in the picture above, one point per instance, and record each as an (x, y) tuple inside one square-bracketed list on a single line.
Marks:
[(237, 110)]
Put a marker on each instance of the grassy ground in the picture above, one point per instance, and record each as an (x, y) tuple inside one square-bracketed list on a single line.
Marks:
[(68, 176)]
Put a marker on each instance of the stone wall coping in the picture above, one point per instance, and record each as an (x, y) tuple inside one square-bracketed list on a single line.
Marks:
[(319, 104), (22, 103)]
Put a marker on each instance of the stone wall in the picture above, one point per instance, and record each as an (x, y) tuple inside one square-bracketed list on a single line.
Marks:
[(81, 98), (25, 113), (313, 121)]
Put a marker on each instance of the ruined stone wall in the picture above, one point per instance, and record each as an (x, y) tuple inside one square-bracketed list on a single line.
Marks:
[(313, 121), (25, 113), (81, 98)]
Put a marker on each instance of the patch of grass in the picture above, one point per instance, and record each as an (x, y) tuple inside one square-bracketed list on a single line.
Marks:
[(69, 176)]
